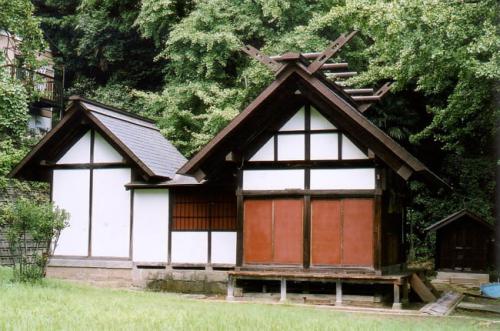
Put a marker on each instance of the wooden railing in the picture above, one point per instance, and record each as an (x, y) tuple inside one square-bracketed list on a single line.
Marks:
[(48, 87)]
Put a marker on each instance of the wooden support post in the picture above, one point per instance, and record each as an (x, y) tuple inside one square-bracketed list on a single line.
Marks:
[(283, 290), (338, 293), (230, 288), (397, 302)]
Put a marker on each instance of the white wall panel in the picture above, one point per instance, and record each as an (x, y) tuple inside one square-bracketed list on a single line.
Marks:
[(265, 153), (291, 147), (103, 151), (342, 179), (224, 247), (150, 226), (70, 191), (296, 122), (324, 146), (319, 122), (273, 179), (350, 151), (110, 213), (189, 247), (79, 152)]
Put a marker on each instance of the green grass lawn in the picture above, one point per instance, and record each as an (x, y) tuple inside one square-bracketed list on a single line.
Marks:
[(59, 305)]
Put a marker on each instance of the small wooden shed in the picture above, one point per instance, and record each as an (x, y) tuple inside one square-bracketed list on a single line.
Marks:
[(464, 242)]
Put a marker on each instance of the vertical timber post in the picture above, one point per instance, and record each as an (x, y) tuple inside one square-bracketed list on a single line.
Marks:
[(283, 290), (397, 301), (338, 293), (230, 288)]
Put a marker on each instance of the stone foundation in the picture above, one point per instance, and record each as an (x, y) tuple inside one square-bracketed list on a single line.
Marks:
[(181, 281), (105, 277), (113, 273)]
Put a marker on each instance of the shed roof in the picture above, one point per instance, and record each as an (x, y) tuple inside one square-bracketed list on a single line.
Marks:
[(464, 213), (135, 137)]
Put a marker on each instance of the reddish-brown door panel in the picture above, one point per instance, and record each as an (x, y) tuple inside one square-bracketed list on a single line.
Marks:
[(358, 232), (257, 231), (325, 232), (288, 230)]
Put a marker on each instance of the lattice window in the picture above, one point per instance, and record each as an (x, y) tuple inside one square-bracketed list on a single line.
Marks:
[(203, 211)]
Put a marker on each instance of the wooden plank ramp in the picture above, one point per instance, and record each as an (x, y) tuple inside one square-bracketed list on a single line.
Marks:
[(444, 305), (421, 289)]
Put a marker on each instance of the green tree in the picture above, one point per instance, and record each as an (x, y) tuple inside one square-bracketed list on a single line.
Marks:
[(97, 41), (32, 230)]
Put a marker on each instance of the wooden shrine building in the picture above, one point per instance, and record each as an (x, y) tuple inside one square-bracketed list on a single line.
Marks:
[(300, 185), (464, 242)]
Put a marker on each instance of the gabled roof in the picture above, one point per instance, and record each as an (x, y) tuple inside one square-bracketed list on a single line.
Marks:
[(464, 213), (136, 138), (295, 75)]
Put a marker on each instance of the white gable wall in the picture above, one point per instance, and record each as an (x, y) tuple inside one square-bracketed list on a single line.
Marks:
[(104, 152), (79, 152), (70, 191), (150, 228)]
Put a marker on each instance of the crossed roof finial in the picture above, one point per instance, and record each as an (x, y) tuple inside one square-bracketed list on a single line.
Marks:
[(363, 98)]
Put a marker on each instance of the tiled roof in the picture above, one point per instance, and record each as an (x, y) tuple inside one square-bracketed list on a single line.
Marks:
[(141, 137)]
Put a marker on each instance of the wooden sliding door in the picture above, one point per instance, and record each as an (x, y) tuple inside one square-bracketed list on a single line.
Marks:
[(273, 231), (342, 232)]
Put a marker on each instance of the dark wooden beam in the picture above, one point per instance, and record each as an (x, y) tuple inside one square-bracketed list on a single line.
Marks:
[(359, 91), (331, 66), (330, 51), (345, 74), (261, 57), (380, 93), (363, 98)]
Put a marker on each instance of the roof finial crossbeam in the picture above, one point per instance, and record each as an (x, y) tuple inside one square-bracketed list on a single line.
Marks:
[(261, 57), (330, 51)]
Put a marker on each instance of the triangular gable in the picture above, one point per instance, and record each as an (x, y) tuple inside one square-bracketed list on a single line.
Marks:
[(292, 77), (326, 141), (80, 151), (120, 135)]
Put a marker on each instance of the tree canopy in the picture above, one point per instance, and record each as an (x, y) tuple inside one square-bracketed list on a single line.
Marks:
[(180, 63)]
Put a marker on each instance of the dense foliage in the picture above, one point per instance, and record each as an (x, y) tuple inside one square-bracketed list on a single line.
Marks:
[(32, 230), (442, 55), (17, 17)]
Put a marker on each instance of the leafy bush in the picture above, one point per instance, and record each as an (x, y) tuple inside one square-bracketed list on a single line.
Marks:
[(32, 231)]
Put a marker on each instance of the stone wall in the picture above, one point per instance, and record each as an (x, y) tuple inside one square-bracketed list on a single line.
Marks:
[(182, 281)]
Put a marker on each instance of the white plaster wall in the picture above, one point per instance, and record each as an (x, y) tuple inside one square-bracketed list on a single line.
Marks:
[(351, 151), (340, 179), (79, 152), (324, 146), (111, 213), (273, 179), (224, 247), (291, 147), (319, 122), (70, 191), (103, 151), (265, 153), (296, 122), (189, 247), (150, 225)]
